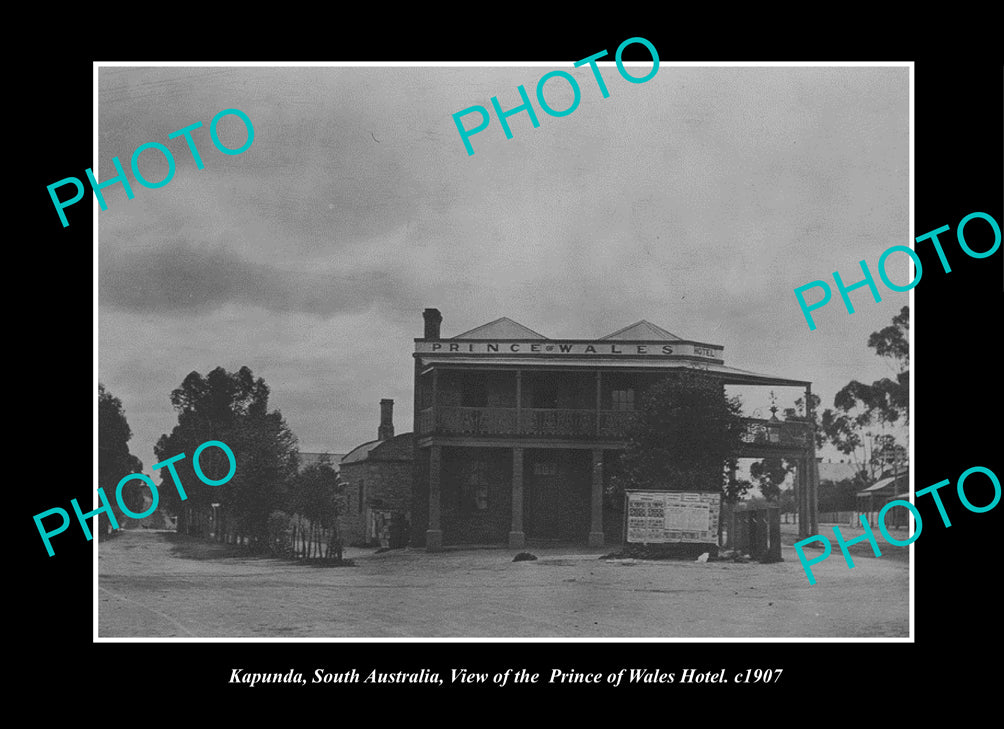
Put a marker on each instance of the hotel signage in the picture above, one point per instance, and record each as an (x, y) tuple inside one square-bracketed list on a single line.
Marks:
[(551, 348), (655, 517)]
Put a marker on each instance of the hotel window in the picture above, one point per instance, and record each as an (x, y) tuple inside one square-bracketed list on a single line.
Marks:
[(475, 393), (622, 399), (545, 468), (475, 491), (543, 392), (362, 490)]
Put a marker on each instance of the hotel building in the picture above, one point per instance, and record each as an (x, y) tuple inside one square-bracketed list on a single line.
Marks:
[(515, 433)]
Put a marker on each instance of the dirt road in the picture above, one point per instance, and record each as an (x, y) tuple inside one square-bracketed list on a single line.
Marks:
[(159, 584)]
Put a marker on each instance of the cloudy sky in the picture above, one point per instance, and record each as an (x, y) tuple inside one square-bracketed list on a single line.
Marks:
[(697, 200)]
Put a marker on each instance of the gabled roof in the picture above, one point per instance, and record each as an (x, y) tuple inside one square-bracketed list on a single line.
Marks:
[(504, 328), (643, 331)]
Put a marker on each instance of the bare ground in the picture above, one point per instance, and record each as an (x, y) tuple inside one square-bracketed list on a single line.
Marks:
[(160, 584)]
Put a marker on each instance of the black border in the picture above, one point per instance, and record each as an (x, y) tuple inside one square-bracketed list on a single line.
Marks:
[(958, 158)]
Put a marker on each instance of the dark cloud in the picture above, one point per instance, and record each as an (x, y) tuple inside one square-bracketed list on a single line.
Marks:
[(180, 277), (698, 201)]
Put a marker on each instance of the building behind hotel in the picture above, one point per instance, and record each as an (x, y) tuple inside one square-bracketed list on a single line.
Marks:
[(377, 479)]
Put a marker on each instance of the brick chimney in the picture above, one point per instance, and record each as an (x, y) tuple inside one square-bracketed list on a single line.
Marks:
[(432, 321), (386, 429)]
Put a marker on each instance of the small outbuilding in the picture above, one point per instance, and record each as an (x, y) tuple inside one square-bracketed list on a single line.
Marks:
[(888, 488)]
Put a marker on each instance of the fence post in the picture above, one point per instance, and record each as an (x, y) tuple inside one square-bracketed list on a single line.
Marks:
[(755, 533), (774, 542)]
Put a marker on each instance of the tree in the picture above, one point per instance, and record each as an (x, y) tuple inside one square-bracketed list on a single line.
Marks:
[(317, 496), (735, 488), (863, 416), (114, 459), (232, 408), (887, 453), (687, 429), (769, 474)]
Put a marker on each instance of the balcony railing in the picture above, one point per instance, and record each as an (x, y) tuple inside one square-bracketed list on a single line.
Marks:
[(476, 421), (557, 422), (615, 423), (494, 421), (453, 420)]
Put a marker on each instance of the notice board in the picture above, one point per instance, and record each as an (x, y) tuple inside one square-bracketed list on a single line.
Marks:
[(671, 516)]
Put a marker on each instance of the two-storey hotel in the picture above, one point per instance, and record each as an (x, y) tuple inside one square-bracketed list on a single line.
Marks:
[(515, 432)]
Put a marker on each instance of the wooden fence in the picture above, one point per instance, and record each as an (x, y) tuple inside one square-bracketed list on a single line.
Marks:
[(309, 542), (839, 517), (825, 517), (299, 540)]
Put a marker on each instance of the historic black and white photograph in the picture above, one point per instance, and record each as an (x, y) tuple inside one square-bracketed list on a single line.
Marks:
[(503, 351)]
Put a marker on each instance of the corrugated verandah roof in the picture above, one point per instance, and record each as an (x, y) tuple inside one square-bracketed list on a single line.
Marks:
[(731, 375)]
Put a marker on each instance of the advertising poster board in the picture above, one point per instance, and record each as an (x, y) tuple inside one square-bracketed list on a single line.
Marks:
[(664, 517)]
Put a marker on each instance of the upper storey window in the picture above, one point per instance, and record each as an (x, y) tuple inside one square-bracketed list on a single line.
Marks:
[(474, 393), (622, 399)]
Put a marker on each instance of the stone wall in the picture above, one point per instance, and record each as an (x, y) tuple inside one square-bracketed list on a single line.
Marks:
[(384, 479)]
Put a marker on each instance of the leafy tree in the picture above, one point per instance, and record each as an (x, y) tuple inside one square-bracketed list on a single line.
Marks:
[(687, 429), (859, 424), (114, 459), (769, 474), (279, 529), (232, 408), (890, 454), (317, 497), (734, 489)]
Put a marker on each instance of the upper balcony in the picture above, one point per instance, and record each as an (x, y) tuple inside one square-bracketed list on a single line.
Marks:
[(530, 422), (760, 436)]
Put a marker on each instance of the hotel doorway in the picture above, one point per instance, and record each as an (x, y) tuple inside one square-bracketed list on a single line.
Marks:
[(545, 496), (556, 507)]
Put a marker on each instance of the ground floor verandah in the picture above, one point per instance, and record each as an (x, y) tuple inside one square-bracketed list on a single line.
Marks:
[(507, 496), (541, 493)]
